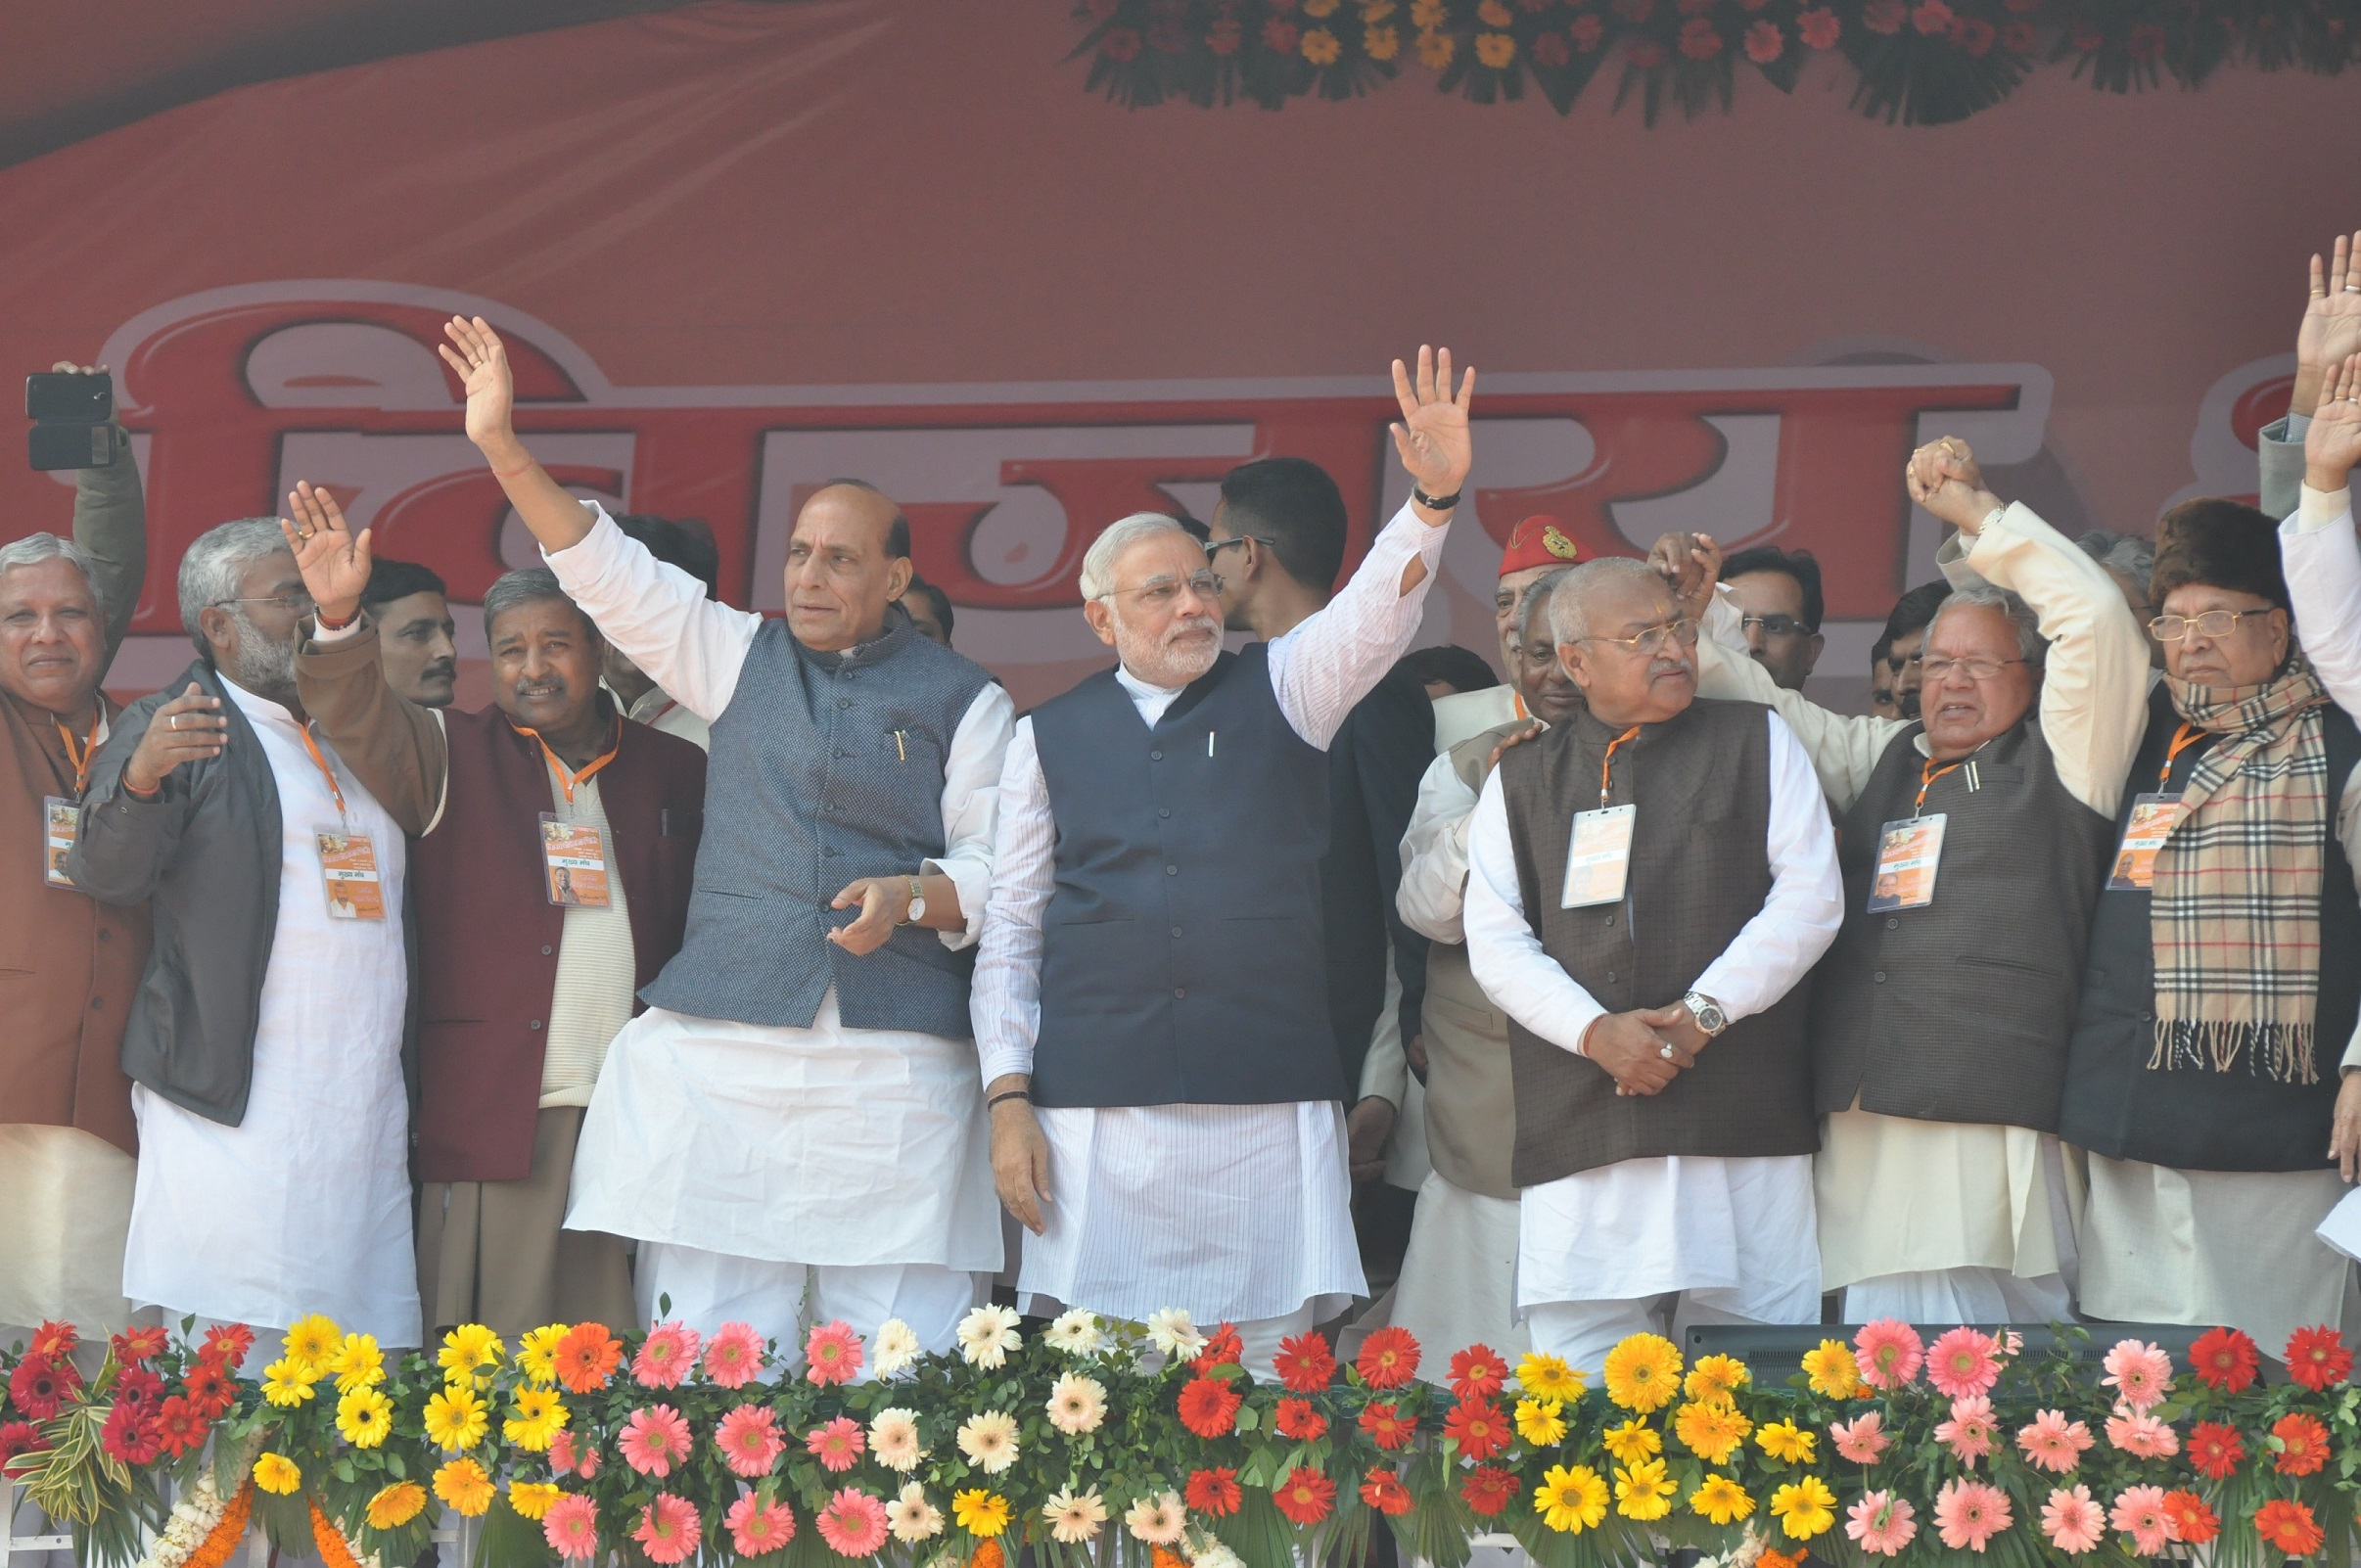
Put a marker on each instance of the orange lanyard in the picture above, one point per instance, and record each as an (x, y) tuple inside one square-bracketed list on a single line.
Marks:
[(1608, 762), (80, 759), (668, 705), (1520, 700), (326, 772), (2188, 736), (557, 764), (1927, 777)]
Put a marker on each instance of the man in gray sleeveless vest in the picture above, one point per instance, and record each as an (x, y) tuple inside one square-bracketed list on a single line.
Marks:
[(1647, 886), (793, 1129), (1151, 998), (1939, 1020)]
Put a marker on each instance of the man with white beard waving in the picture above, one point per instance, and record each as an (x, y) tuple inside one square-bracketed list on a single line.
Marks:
[(1150, 990)]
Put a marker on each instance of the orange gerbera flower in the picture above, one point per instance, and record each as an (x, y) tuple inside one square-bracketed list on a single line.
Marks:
[(586, 1357)]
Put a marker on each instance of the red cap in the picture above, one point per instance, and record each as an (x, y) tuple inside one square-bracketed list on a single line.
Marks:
[(1538, 541)]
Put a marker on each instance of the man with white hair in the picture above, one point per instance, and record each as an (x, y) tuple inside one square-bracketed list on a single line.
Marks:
[(1151, 1000), (266, 1045)]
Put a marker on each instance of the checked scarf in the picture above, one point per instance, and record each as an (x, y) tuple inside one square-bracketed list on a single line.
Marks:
[(2234, 909)]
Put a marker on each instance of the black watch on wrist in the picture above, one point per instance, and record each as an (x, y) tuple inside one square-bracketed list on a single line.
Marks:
[(1436, 503)]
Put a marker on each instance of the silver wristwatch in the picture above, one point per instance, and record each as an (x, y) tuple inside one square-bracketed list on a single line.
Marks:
[(1707, 1012)]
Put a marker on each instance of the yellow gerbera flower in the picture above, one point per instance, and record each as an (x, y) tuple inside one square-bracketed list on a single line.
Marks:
[(1320, 46), (1716, 1379), (1547, 1377), (1378, 10), (1805, 1507), (1427, 12), (536, 1351), (1720, 1499), (531, 1498), (541, 1416), (286, 1382), (1711, 1432), (364, 1418), (1643, 1490), (397, 1505), (313, 1340), (463, 1486), (1539, 1423), (1632, 1441), (467, 1350), (1785, 1442), (1494, 14), (1496, 49), (1831, 1370), (456, 1419), (980, 1512), (1435, 49), (357, 1362), (1380, 43), (1320, 8), (278, 1474), (1643, 1373), (1571, 1500)]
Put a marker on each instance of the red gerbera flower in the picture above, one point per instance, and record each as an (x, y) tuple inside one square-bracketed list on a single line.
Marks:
[(54, 1341), (20, 1437), (1477, 1373), (1488, 1489), (1303, 1364), (208, 1388), (2192, 1522), (136, 1345), (226, 1344), (128, 1438), (1478, 1427), (1214, 1493), (2316, 1358), (136, 1385), (1304, 1495), (1297, 1420), (38, 1386), (1389, 1358), (1383, 1491), (179, 1425), (1223, 1349), (2302, 1445), (2224, 1359), (2216, 1448), (1388, 1425), (1209, 1407), (2289, 1526)]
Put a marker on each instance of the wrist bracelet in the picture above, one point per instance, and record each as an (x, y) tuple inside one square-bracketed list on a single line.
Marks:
[(1024, 1094), (1436, 503), (320, 619)]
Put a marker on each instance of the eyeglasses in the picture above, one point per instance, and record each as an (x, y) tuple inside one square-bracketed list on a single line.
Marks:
[(1653, 639), (1775, 625), (2214, 623), (299, 602), (1215, 547), (1936, 669), (1163, 595)]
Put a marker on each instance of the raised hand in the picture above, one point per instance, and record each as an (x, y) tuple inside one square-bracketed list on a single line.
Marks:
[(2332, 323), (187, 729), (1692, 564), (1432, 437), (1943, 477), (334, 562), (2333, 445), (476, 353)]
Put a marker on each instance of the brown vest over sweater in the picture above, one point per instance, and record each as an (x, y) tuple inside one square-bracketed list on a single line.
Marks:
[(1699, 871), (1961, 1011)]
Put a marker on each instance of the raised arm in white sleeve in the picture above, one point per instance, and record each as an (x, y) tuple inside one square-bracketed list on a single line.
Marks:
[(1434, 855), (971, 808), (657, 616), (1004, 997), (2323, 562), (1330, 660), (1843, 747)]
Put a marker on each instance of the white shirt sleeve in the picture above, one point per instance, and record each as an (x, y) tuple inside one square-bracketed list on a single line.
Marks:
[(2323, 562), (1503, 951), (1004, 1000), (1434, 855), (971, 806), (657, 616), (1845, 748), (1332, 659)]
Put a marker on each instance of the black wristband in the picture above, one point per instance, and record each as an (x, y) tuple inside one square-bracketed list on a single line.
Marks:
[(1435, 503), (1025, 1094)]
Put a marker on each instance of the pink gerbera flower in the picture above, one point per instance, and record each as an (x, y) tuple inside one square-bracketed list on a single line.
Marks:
[(572, 1526), (832, 1353), (2142, 1437), (2053, 1443), (2072, 1521), (839, 1444), (1970, 1513), (1882, 1523), (853, 1524), (757, 1528), (1862, 1439), (653, 1440), (2139, 1512), (668, 1528), (1972, 1431), (1963, 1362), (749, 1440), (666, 1356), (733, 1356), (1889, 1352), (564, 1458), (2141, 1373)]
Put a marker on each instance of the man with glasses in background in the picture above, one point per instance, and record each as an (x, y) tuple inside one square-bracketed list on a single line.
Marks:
[(1150, 997), (1975, 845), (1778, 594)]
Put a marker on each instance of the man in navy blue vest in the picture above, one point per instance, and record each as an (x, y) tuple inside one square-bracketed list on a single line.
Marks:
[(793, 1130), (1151, 998)]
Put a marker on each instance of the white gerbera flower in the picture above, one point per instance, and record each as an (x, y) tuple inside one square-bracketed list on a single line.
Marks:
[(986, 1335), (1158, 1520), (896, 1348), (894, 1438), (990, 1441), (1076, 1404), (1076, 1332), (1075, 1519), (1174, 1334), (911, 1517)]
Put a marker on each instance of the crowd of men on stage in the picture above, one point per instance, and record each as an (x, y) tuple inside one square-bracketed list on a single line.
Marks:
[(770, 965)]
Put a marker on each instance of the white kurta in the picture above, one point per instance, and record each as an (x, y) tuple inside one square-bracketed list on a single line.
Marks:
[(304, 1206), (1232, 1212), (1741, 1227), (827, 1146), (65, 1206)]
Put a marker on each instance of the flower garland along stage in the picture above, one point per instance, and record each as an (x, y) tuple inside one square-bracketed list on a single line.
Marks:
[(1095, 1442), (1922, 61)]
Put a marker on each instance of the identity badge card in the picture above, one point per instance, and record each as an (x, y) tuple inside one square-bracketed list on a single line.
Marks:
[(1599, 859), (61, 825), (1907, 852), (2151, 822), (574, 861), (348, 873)]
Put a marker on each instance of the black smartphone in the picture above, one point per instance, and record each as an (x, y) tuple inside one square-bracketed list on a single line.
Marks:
[(55, 397)]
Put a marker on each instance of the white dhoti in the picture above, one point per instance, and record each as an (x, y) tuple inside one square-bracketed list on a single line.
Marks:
[(1945, 1221), (65, 1207), (1459, 1277)]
